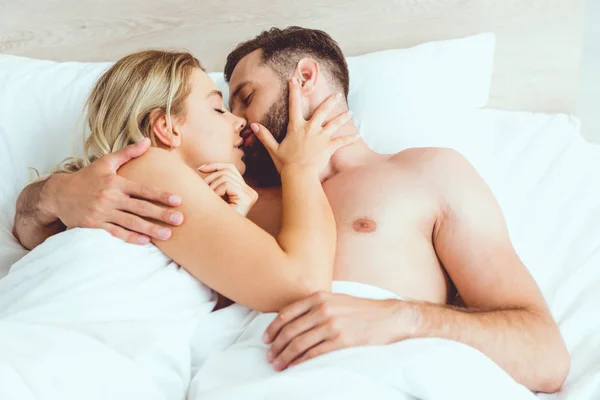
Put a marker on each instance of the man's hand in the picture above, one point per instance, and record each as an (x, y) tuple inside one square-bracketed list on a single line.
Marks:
[(326, 322), (96, 197)]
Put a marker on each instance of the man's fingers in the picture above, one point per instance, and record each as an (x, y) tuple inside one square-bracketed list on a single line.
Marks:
[(288, 314), (140, 226), (125, 235), (150, 193), (118, 158), (320, 349), (302, 344), (144, 208), (292, 330), (341, 141), (324, 110), (265, 137), (335, 124)]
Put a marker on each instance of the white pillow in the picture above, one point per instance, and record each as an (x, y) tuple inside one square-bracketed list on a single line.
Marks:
[(41, 101), (13, 177), (398, 88)]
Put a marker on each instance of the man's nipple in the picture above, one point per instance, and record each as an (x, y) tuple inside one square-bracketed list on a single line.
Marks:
[(364, 225)]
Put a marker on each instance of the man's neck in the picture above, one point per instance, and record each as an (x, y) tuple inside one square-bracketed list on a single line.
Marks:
[(351, 156)]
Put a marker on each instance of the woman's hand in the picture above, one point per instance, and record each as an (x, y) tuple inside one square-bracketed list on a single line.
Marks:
[(226, 181), (307, 143)]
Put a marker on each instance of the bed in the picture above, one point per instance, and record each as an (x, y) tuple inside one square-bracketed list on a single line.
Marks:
[(525, 142)]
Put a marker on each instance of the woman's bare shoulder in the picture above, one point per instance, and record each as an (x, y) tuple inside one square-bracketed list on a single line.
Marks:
[(165, 170)]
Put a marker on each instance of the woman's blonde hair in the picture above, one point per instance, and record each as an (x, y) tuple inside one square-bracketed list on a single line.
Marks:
[(119, 107)]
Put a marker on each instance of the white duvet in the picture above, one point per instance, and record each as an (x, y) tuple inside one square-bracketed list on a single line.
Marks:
[(428, 369), (113, 326), (87, 316)]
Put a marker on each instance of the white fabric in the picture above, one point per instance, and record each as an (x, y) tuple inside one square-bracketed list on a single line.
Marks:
[(545, 177), (543, 174), (428, 369), (388, 88), (363, 290), (86, 315), (42, 101)]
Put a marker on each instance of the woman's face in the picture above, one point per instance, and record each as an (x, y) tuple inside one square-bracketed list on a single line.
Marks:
[(209, 132)]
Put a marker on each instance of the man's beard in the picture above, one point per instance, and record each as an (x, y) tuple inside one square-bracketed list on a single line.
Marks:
[(259, 165)]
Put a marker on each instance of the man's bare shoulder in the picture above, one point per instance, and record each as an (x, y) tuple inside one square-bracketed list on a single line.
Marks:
[(436, 164), (430, 159)]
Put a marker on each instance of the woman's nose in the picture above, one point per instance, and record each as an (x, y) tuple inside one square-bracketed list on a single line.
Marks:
[(239, 124)]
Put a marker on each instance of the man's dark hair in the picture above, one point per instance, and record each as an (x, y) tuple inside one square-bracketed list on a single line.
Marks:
[(283, 48)]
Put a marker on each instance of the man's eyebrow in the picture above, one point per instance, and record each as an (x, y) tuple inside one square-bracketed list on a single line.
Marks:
[(236, 92), (215, 93)]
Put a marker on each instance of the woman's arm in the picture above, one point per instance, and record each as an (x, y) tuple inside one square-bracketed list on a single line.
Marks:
[(231, 254)]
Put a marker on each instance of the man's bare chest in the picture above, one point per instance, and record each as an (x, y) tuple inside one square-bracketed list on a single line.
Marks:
[(380, 202)]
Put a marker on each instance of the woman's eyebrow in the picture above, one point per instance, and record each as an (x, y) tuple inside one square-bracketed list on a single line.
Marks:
[(215, 93)]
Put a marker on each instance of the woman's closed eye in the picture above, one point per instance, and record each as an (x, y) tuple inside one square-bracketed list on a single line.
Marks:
[(220, 110)]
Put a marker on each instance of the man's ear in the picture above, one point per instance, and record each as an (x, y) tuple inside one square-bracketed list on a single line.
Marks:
[(307, 73), (160, 128)]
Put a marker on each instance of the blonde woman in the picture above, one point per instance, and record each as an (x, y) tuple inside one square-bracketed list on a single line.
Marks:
[(167, 97), (85, 312)]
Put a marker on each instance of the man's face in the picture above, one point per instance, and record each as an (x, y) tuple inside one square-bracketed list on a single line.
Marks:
[(257, 94)]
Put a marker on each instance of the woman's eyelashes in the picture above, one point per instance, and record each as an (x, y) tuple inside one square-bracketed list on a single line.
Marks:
[(220, 110)]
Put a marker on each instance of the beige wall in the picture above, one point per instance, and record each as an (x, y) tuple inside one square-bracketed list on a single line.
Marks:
[(588, 107)]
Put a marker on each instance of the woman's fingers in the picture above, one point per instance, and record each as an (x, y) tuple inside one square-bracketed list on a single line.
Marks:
[(337, 143), (210, 178), (324, 110), (295, 101), (217, 166), (335, 124), (265, 137)]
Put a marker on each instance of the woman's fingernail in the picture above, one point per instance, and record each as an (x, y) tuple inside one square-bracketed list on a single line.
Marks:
[(294, 80), (254, 127), (202, 166), (176, 218), (164, 233), (143, 240), (269, 356), (174, 200)]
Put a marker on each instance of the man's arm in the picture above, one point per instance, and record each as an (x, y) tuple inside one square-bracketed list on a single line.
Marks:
[(96, 197), (506, 316), (35, 219)]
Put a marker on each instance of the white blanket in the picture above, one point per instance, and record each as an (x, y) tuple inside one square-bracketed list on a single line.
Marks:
[(87, 316), (428, 369)]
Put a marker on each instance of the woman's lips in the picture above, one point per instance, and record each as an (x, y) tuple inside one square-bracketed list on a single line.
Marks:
[(248, 137)]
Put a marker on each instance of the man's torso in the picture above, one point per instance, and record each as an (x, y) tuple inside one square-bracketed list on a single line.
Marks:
[(385, 214)]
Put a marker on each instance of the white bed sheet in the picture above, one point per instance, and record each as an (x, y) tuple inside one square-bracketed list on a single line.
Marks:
[(545, 177)]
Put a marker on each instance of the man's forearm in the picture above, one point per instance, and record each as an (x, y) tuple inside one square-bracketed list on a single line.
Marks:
[(35, 219), (524, 343)]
